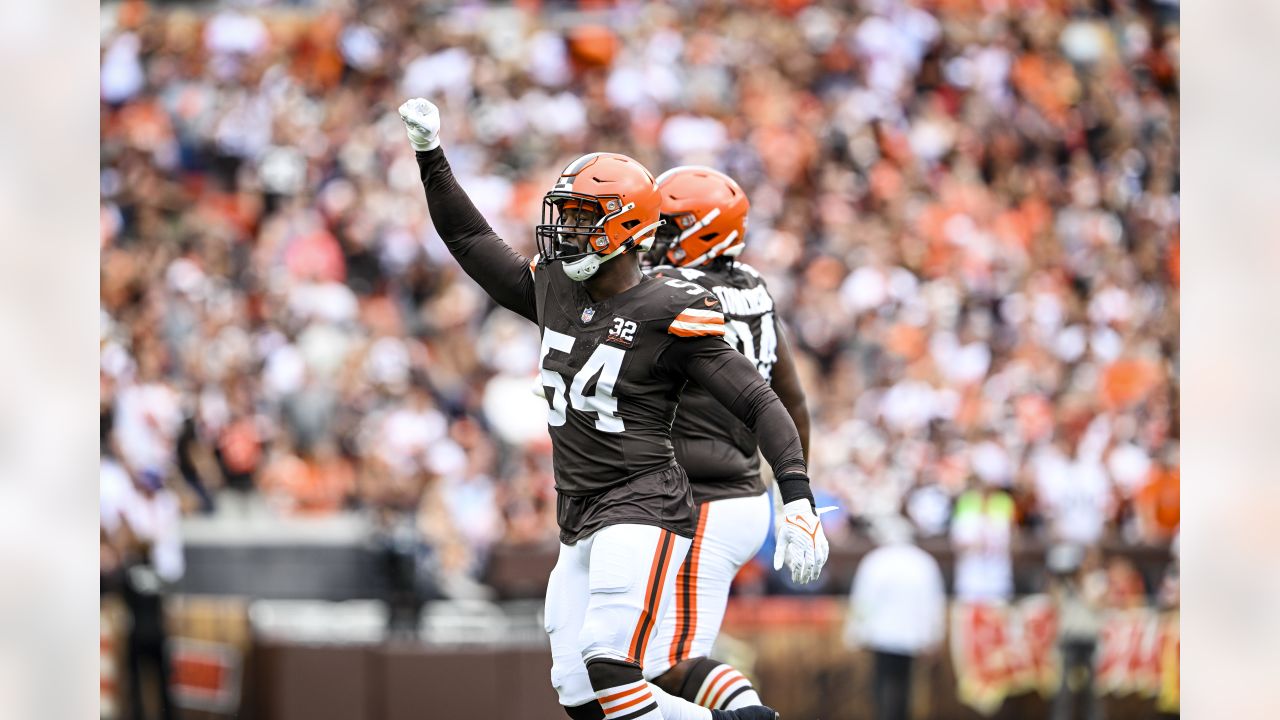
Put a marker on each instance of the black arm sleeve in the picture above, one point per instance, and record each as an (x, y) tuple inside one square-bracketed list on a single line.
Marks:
[(735, 383), (499, 270), (786, 383)]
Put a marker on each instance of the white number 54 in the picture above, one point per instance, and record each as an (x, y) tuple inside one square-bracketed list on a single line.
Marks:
[(606, 360)]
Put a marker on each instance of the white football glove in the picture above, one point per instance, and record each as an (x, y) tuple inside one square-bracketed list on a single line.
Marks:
[(422, 122), (801, 542)]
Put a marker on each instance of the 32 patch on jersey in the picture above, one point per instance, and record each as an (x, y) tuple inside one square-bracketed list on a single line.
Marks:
[(623, 332)]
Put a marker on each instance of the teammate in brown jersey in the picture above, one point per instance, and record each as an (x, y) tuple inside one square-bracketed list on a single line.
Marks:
[(705, 229), (617, 348)]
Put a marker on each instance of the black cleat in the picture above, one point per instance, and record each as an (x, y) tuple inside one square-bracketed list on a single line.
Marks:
[(755, 712)]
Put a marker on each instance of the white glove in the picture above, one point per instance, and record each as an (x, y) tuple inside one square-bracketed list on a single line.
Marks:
[(422, 122), (801, 542)]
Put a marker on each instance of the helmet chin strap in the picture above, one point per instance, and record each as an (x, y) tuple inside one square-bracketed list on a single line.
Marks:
[(583, 268)]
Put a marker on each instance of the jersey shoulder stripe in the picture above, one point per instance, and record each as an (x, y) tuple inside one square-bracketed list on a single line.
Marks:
[(697, 322), (681, 328)]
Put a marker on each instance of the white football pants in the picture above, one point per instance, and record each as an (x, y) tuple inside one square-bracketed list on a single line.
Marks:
[(730, 532)]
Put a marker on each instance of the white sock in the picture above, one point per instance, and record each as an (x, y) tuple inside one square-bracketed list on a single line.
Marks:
[(677, 708)]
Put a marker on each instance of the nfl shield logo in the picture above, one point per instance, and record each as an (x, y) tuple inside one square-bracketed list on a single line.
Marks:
[(588, 314)]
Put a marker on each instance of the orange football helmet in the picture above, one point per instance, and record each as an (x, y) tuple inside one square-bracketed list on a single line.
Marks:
[(705, 213), (602, 206)]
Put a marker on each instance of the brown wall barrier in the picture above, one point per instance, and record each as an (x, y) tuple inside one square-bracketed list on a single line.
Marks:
[(400, 682), (436, 682), (791, 647), (293, 680)]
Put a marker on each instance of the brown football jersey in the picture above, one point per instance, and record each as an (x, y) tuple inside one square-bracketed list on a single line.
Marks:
[(610, 392)]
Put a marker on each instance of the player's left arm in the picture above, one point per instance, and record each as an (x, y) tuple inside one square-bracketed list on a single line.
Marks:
[(702, 356), (735, 382), (786, 383)]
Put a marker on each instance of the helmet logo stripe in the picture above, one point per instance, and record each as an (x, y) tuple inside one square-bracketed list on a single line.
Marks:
[(702, 222)]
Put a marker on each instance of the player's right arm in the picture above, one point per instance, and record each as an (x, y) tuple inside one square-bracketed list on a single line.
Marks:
[(503, 273)]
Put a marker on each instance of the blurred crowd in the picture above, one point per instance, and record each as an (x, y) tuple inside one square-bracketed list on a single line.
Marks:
[(967, 211)]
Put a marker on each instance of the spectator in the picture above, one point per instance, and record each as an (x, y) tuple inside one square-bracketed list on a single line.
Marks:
[(140, 525), (981, 532), (1077, 588), (1158, 500), (148, 417), (1125, 588), (239, 439), (898, 611), (1074, 482), (314, 482)]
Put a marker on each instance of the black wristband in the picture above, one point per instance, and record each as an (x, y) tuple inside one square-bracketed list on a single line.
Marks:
[(795, 486)]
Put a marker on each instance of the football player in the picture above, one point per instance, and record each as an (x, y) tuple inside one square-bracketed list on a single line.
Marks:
[(706, 225), (617, 348)]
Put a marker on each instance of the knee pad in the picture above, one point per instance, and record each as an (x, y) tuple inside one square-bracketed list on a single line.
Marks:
[(607, 633), (571, 682)]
